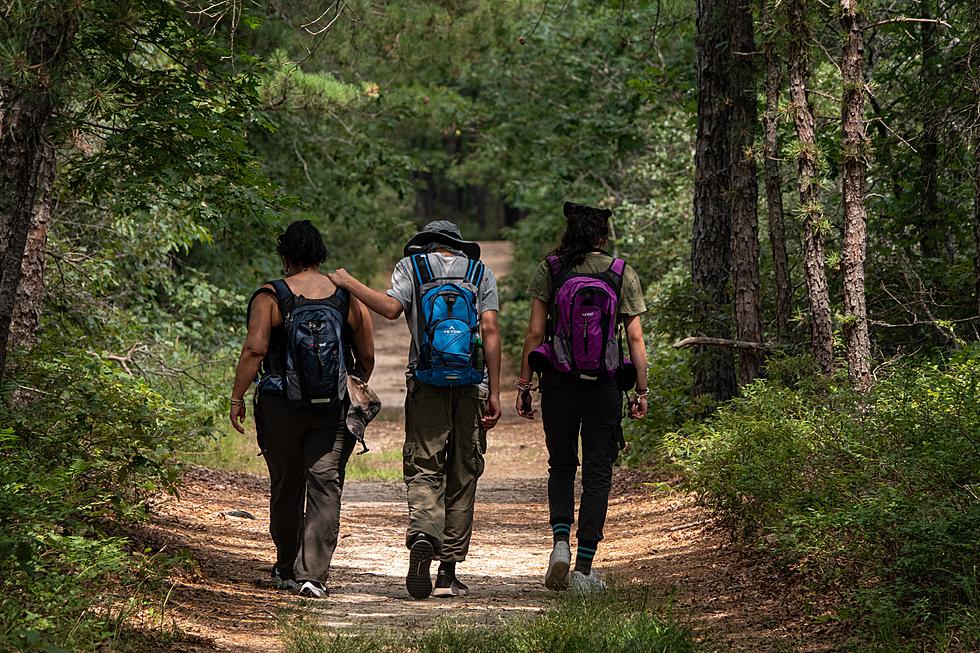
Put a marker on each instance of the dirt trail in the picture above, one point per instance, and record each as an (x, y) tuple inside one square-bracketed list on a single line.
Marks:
[(655, 536)]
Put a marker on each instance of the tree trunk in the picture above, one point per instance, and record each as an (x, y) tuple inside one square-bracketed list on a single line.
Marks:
[(931, 237), (24, 146), (976, 217), (818, 296), (856, 148), (745, 190), (714, 369), (30, 293), (774, 182)]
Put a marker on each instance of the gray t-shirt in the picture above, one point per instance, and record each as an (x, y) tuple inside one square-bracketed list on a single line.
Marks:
[(443, 266)]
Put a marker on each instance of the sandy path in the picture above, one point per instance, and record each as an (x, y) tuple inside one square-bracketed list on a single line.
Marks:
[(655, 536)]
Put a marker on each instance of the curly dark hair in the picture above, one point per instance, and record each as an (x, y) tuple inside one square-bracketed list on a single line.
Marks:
[(302, 244), (586, 228)]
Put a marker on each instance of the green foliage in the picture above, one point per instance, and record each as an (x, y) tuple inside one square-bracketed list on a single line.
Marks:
[(875, 496), (621, 620), (82, 448)]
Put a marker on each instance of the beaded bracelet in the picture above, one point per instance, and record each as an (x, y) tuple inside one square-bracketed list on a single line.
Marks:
[(237, 402), (523, 385)]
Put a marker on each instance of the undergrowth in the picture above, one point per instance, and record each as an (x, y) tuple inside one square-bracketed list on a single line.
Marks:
[(874, 498)]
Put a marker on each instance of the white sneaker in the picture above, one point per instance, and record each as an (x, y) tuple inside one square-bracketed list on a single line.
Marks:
[(556, 578), (587, 584), (312, 589)]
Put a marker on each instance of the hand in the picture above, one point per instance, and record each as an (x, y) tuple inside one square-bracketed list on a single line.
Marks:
[(492, 416), (341, 278), (638, 408), (521, 402), (237, 417)]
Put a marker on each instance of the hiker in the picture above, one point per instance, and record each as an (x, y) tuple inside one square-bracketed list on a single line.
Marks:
[(305, 334), (450, 303), (581, 299)]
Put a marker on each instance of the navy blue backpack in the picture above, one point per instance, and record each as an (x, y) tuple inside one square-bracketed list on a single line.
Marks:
[(315, 360), (449, 325)]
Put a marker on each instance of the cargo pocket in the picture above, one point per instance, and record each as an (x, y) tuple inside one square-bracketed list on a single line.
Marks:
[(409, 470)]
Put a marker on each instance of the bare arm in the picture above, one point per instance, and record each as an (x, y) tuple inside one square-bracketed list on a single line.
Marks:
[(638, 355), (490, 332), (377, 301), (363, 328), (253, 351), (533, 337)]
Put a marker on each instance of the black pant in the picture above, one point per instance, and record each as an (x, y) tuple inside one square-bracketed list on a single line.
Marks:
[(570, 407), (307, 451)]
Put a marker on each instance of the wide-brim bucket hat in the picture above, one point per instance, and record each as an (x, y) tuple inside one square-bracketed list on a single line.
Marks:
[(443, 232)]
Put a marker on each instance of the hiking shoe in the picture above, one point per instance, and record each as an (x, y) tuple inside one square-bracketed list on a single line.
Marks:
[(586, 583), (283, 581), (313, 590), (448, 585), (556, 578), (418, 582)]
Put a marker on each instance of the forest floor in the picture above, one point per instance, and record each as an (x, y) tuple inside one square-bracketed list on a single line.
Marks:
[(656, 537)]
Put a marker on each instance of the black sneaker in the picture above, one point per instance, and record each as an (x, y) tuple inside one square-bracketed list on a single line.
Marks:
[(418, 582), (447, 585), (283, 581)]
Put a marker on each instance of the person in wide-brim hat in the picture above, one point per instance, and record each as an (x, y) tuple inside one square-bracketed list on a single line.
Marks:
[(442, 232)]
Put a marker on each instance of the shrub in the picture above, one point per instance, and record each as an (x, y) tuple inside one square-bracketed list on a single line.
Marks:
[(81, 448), (875, 495)]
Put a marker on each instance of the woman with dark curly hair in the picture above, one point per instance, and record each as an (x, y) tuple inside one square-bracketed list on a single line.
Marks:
[(304, 335)]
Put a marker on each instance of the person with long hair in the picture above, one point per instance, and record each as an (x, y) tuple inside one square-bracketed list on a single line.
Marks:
[(582, 298), (304, 438)]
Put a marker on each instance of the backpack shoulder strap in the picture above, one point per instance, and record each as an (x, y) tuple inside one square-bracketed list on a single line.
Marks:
[(474, 273), (554, 264), (283, 292), (421, 268), (618, 268), (251, 300)]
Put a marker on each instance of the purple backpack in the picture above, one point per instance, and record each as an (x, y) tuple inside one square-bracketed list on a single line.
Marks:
[(584, 324)]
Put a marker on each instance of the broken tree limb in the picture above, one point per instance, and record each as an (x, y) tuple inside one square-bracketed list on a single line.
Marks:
[(703, 341)]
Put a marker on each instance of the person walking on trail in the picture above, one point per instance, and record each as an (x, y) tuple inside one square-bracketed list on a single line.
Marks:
[(450, 303), (305, 334), (582, 298)]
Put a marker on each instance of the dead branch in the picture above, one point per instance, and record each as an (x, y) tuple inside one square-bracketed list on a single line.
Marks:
[(704, 341)]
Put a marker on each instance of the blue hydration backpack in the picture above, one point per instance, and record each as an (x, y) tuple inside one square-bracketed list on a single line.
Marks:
[(449, 325), (315, 365)]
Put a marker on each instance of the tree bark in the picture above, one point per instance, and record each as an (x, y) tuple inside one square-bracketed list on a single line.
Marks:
[(931, 237), (714, 369), (24, 147), (30, 293), (745, 190), (818, 296), (774, 182), (856, 148)]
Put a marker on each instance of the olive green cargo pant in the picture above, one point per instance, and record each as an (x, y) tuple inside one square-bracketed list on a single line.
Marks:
[(443, 458)]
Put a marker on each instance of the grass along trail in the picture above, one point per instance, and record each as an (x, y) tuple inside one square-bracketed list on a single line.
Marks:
[(658, 541)]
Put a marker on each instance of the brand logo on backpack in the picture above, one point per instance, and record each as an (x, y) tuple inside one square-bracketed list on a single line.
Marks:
[(449, 325)]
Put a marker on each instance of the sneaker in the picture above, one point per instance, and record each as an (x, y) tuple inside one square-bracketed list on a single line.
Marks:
[(556, 578), (282, 581), (448, 585), (586, 584), (314, 590), (418, 582)]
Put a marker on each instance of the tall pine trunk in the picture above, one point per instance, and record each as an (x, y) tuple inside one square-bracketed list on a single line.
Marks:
[(745, 190), (818, 296), (774, 181), (25, 148), (976, 216), (931, 237), (856, 147), (714, 368)]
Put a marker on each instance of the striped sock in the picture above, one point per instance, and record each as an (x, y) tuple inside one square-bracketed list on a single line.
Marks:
[(584, 553), (560, 532)]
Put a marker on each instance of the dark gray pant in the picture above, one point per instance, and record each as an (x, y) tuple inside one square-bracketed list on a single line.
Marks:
[(443, 459), (593, 409), (306, 451)]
